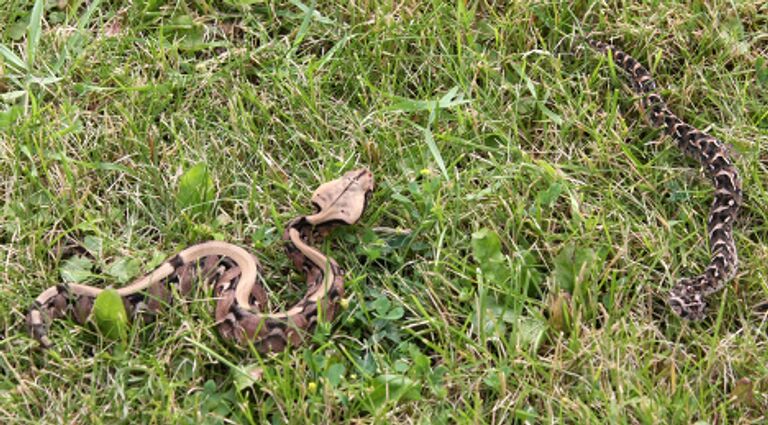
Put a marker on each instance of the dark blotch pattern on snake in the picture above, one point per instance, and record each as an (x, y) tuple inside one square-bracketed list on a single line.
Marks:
[(234, 272), (688, 297)]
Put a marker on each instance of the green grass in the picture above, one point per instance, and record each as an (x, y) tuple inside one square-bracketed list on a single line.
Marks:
[(512, 265)]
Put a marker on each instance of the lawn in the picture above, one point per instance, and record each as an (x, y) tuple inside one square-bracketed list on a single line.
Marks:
[(512, 265)]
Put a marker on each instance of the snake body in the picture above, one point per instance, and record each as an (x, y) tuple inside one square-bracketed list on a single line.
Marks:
[(688, 297), (235, 272)]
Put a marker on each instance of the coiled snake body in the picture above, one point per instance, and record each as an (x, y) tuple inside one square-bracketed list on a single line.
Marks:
[(688, 297), (235, 271)]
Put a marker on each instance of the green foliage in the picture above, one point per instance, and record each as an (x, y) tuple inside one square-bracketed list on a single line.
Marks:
[(449, 100), (513, 262), (486, 249), (110, 316), (335, 374), (124, 269), (34, 31), (184, 31), (196, 191), (390, 389), (76, 269), (571, 265)]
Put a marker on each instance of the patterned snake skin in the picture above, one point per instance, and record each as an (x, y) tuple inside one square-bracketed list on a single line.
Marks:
[(234, 274), (688, 297)]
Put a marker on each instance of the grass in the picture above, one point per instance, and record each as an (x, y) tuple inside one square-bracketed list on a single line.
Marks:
[(512, 266)]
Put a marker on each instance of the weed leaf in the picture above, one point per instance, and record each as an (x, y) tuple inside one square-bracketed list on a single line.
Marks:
[(124, 269), (486, 250), (76, 269), (392, 388), (195, 190), (110, 316)]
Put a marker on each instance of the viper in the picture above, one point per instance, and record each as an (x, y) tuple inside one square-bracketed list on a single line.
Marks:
[(688, 298), (234, 273)]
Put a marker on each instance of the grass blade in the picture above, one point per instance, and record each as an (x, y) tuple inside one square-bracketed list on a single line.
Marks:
[(304, 28), (74, 44), (315, 14), (12, 95), (452, 98), (411, 105), (12, 59), (429, 139), (34, 30)]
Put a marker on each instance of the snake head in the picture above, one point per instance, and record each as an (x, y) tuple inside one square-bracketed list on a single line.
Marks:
[(343, 199)]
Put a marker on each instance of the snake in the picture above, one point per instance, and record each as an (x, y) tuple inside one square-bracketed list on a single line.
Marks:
[(688, 297), (235, 273)]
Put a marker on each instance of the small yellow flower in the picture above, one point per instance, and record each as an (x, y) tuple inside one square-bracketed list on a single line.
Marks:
[(312, 387), (344, 303), (426, 172)]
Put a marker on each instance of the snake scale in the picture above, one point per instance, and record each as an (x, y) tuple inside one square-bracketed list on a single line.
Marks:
[(235, 272), (688, 297)]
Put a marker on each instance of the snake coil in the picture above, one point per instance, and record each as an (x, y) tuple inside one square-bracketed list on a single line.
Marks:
[(234, 273), (688, 297)]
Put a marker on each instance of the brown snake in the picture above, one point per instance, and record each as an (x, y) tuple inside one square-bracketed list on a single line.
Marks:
[(688, 297), (235, 271)]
